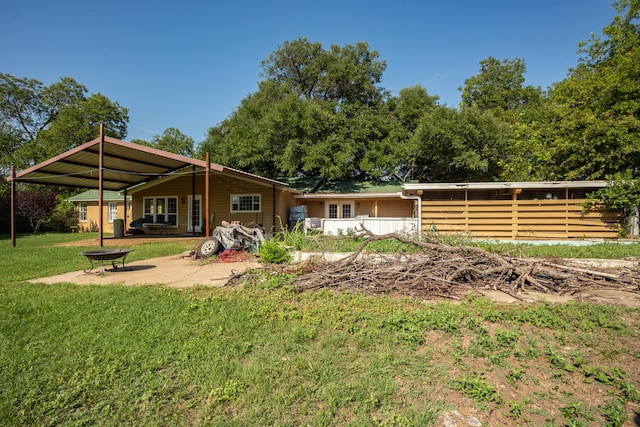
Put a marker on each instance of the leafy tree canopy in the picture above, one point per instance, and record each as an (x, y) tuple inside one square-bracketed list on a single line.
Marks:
[(465, 145), (499, 87), (343, 74), (316, 113), (39, 121), (597, 108), (171, 140)]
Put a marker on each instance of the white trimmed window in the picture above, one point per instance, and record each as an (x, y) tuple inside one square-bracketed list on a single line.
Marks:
[(339, 210), (82, 212), (246, 203), (161, 210), (113, 212)]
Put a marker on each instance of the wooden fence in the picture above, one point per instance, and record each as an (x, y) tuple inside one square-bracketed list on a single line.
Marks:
[(518, 219)]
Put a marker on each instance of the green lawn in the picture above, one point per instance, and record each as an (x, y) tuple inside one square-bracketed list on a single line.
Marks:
[(267, 355)]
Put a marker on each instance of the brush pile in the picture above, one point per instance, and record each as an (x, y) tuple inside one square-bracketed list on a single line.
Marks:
[(436, 270)]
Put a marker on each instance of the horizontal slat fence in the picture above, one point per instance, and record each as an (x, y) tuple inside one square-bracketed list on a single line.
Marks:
[(518, 219)]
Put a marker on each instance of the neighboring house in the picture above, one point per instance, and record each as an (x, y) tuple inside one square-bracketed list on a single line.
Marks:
[(87, 212), (513, 210)]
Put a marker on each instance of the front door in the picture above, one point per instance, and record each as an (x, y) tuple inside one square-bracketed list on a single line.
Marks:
[(195, 214)]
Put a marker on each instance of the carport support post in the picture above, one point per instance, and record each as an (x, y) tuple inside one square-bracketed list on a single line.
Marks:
[(207, 190), (100, 186), (13, 206)]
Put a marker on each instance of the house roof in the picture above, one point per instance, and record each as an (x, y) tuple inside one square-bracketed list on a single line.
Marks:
[(314, 188), (503, 185), (93, 196), (124, 166)]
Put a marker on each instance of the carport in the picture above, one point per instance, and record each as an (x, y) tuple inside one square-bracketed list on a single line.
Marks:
[(107, 163)]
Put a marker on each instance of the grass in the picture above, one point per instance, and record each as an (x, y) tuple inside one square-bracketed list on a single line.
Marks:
[(266, 355), (604, 250)]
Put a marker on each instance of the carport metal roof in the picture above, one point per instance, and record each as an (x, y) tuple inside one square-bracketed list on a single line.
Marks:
[(125, 165), (107, 163)]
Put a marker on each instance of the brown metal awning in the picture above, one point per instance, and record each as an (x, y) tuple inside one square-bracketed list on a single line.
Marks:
[(107, 163), (125, 165)]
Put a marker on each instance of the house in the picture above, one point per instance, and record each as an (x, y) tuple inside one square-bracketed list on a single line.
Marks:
[(175, 194), (87, 211)]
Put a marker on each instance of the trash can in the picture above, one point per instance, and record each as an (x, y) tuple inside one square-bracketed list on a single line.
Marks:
[(118, 228)]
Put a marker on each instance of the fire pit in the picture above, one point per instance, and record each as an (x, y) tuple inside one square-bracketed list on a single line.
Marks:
[(116, 256)]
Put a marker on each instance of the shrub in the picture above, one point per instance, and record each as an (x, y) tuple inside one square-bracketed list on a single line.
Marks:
[(273, 252)]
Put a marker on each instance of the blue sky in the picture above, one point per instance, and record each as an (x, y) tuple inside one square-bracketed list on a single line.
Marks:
[(188, 64)]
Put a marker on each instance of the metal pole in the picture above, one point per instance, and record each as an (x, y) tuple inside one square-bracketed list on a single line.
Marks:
[(100, 185), (207, 200), (13, 206), (193, 201)]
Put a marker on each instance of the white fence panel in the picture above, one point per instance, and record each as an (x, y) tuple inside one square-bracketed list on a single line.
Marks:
[(334, 226)]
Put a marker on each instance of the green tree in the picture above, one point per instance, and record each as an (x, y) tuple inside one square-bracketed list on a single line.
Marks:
[(405, 112), (79, 122), (171, 140), (38, 121), (316, 113), (499, 87), (451, 145), (597, 108), (345, 74), (621, 195), (27, 107)]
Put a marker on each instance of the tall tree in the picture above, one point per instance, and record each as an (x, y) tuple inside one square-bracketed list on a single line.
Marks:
[(344, 73), (38, 121), (78, 123), (405, 111), (171, 140), (499, 87), (316, 113), (451, 145), (27, 107), (597, 108)]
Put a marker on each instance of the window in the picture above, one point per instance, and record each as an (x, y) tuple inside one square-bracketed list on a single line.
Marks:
[(82, 212), (161, 210), (339, 210), (245, 203), (113, 212)]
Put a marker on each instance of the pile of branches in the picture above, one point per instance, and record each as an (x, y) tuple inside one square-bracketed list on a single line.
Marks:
[(438, 270)]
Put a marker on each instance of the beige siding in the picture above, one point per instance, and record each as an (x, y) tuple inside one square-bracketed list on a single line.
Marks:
[(91, 224), (222, 187), (376, 208), (517, 219)]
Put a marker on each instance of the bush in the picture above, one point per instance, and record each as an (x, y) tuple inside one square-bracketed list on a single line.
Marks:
[(273, 252)]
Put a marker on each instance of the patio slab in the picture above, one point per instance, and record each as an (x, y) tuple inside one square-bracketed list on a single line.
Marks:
[(173, 271)]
